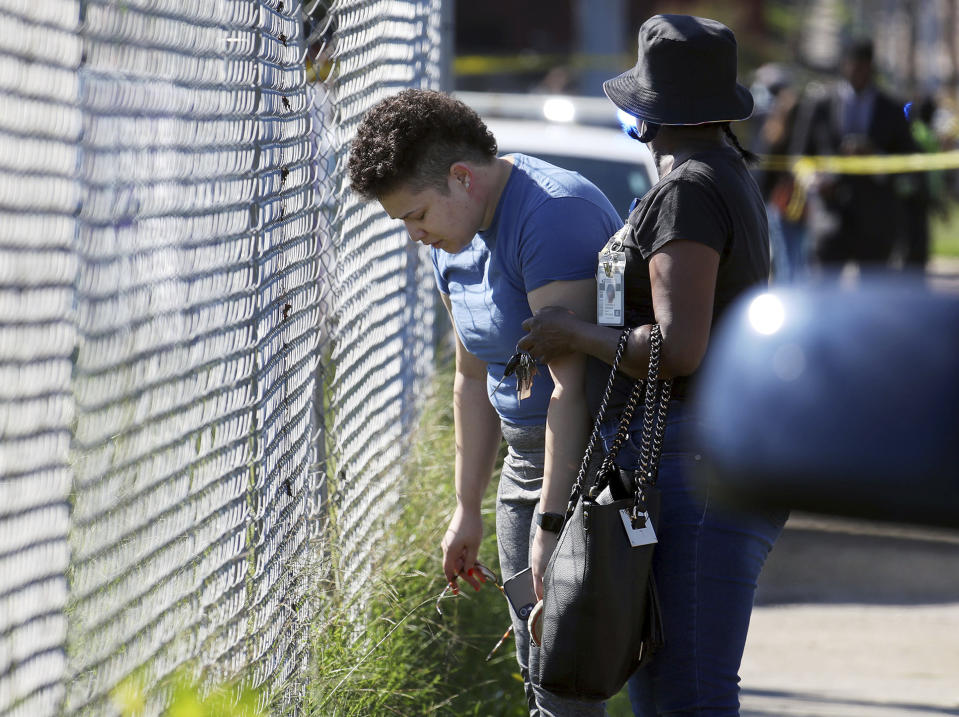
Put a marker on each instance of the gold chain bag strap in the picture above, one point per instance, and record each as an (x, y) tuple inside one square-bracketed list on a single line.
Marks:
[(600, 615)]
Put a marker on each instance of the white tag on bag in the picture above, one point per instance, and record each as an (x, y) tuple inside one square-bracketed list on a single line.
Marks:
[(638, 536), (610, 270)]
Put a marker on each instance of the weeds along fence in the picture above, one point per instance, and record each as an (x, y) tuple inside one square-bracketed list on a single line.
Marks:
[(210, 352)]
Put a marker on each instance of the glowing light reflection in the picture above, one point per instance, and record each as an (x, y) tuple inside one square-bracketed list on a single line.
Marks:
[(626, 119), (559, 109), (766, 314)]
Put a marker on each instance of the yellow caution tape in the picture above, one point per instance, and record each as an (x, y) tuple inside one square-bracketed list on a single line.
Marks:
[(872, 164), (805, 168), (464, 65)]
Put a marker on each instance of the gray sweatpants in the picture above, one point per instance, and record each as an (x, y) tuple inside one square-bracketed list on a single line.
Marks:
[(517, 500)]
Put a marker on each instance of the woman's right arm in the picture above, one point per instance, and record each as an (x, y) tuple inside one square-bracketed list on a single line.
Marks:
[(478, 437)]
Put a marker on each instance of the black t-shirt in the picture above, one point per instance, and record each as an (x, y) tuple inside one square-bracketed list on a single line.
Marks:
[(710, 197)]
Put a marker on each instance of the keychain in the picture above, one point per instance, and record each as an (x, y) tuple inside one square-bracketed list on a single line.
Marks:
[(522, 364)]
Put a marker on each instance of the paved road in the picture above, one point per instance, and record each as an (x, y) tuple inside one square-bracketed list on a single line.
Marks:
[(855, 619)]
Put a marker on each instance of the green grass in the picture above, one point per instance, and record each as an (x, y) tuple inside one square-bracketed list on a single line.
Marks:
[(404, 658), (185, 697), (944, 229)]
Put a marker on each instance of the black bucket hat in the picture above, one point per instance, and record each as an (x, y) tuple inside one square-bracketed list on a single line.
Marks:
[(685, 74)]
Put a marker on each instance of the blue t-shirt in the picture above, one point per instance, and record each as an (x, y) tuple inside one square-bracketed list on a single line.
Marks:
[(549, 225)]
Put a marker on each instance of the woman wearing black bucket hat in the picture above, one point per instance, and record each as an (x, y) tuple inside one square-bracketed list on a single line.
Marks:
[(694, 243)]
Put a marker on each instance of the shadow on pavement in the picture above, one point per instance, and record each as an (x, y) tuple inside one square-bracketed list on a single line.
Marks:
[(797, 701), (826, 560)]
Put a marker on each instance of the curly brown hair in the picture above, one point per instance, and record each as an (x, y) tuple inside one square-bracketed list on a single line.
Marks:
[(412, 138)]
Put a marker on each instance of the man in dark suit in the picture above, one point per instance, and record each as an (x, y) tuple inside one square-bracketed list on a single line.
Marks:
[(856, 218)]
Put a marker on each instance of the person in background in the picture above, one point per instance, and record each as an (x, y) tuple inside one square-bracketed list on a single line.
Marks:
[(695, 243), (855, 217), (508, 236), (776, 137), (931, 195)]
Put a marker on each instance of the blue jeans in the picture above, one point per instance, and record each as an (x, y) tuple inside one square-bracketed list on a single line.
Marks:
[(788, 241), (706, 565)]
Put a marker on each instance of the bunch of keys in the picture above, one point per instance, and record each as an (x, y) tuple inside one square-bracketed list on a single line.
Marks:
[(522, 364)]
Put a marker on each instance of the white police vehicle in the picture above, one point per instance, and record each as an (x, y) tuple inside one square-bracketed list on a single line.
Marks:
[(582, 134)]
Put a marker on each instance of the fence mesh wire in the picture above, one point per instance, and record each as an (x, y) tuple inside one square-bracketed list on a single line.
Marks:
[(381, 309), (40, 127), (208, 346)]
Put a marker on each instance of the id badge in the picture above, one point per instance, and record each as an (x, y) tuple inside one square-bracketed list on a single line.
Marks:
[(610, 273)]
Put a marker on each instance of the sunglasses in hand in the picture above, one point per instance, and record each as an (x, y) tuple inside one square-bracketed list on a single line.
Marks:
[(485, 575)]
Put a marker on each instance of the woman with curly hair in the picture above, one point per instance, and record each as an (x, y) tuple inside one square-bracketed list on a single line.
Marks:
[(509, 235)]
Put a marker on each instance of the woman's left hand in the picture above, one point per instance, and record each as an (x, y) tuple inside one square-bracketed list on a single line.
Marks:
[(551, 331), (544, 543)]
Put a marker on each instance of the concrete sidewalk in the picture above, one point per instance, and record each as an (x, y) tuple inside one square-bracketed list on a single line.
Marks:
[(855, 619)]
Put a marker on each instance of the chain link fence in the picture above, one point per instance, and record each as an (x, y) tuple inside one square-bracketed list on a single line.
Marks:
[(211, 354), (381, 302)]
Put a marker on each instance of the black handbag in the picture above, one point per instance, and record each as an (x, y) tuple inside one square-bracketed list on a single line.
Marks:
[(600, 614)]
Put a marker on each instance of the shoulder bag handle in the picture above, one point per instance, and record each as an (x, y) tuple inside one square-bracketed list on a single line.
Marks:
[(650, 450)]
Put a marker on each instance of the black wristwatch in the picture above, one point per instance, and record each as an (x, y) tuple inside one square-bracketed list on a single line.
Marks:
[(551, 522)]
